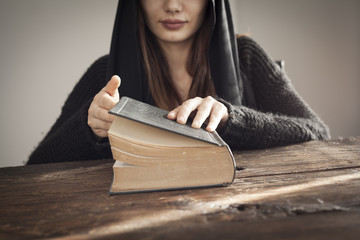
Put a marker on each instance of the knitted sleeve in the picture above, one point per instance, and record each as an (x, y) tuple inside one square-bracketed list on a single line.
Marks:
[(70, 138), (281, 117)]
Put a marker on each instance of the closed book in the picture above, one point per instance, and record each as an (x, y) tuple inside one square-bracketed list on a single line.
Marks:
[(154, 153)]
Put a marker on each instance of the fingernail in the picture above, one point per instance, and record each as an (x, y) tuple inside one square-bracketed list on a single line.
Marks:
[(210, 128), (196, 124), (181, 120)]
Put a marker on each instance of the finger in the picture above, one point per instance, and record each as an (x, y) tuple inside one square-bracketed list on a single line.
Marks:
[(173, 113), (219, 113), (203, 112), (106, 101), (99, 127), (97, 124), (186, 109), (100, 113), (112, 86), (100, 133)]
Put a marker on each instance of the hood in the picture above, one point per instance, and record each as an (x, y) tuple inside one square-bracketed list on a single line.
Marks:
[(125, 57)]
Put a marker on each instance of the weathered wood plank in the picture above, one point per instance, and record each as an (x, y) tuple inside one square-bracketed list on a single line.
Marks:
[(70, 199), (61, 212), (309, 156), (341, 225)]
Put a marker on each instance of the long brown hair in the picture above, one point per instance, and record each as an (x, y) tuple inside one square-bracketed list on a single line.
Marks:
[(157, 71)]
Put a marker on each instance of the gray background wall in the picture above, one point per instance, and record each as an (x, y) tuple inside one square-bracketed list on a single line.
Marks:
[(45, 47)]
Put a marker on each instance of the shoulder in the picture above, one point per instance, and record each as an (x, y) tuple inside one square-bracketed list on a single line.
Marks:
[(102, 60), (245, 41), (248, 46), (90, 83), (251, 53), (96, 72), (100, 64)]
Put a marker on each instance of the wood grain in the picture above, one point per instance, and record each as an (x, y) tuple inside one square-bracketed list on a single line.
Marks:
[(305, 157), (309, 190)]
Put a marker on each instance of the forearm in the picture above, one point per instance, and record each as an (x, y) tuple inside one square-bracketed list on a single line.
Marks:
[(251, 129), (73, 141)]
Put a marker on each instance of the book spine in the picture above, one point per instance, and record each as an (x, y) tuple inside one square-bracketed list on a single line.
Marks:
[(233, 161), (117, 109), (217, 139)]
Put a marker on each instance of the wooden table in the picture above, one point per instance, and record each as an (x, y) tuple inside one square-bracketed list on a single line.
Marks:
[(304, 191)]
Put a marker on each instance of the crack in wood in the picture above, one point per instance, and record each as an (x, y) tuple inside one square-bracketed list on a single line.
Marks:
[(268, 210), (238, 168)]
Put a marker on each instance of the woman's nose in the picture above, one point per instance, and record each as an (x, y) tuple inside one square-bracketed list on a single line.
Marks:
[(173, 6)]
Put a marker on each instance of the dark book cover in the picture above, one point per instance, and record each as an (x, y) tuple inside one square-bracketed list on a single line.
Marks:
[(145, 113)]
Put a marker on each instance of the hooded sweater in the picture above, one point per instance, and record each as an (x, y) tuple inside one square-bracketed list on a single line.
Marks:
[(269, 113)]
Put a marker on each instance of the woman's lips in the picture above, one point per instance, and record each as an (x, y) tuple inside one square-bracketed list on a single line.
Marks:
[(173, 24)]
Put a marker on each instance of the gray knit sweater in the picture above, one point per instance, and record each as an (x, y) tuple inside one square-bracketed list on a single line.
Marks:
[(281, 117)]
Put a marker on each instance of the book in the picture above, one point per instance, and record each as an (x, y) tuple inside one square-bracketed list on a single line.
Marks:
[(154, 153)]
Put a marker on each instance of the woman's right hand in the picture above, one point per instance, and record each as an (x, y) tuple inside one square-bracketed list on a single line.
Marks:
[(99, 120)]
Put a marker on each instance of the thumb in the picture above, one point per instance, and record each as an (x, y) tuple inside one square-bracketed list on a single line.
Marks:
[(112, 86)]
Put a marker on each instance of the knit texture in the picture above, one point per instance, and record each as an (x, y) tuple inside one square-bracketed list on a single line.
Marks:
[(281, 117), (70, 138)]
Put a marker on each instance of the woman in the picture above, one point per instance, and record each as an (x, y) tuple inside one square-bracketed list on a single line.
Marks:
[(182, 55)]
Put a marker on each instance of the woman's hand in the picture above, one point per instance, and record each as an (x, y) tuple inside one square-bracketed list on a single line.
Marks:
[(207, 108), (99, 120)]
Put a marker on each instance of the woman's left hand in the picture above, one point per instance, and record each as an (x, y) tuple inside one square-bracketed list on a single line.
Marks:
[(206, 109)]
